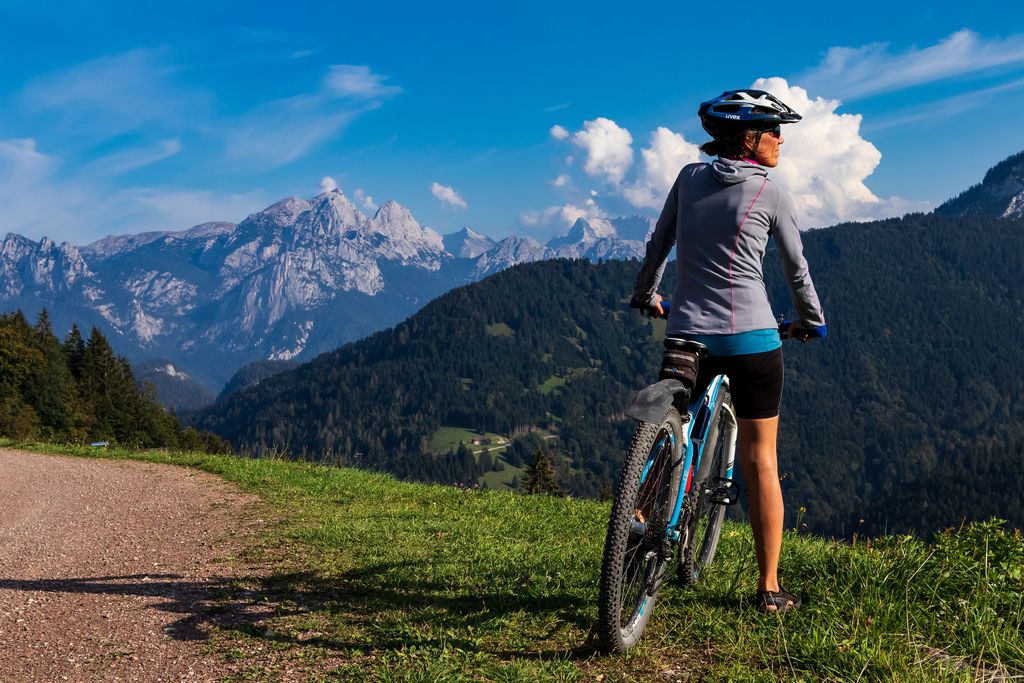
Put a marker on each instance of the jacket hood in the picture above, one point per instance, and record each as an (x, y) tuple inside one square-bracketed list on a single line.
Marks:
[(732, 171)]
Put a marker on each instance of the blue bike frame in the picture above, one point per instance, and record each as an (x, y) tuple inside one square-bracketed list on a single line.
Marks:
[(695, 432)]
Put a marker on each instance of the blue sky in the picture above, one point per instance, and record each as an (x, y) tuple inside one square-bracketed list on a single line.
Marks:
[(123, 117)]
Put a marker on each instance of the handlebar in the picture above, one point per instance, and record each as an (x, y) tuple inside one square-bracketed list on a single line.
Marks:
[(802, 332)]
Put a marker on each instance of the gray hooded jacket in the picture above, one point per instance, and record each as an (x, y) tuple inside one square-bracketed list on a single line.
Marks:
[(720, 216)]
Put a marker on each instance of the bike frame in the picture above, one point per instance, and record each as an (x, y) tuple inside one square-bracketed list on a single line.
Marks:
[(696, 432)]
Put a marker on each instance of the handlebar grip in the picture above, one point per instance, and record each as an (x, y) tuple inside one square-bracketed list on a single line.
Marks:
[(819, 332), (646, 309)]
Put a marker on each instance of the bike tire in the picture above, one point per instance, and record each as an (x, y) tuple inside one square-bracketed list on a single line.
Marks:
[(704, 528), (634, 563)]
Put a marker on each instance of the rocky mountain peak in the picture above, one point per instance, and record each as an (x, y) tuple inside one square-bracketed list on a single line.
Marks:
[(467, 243), (1000, 193), (337, 210), (285, 211), (582, 233), (403, 238)]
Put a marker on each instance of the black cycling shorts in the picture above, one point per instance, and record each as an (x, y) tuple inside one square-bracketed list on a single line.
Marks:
[(755, 380)]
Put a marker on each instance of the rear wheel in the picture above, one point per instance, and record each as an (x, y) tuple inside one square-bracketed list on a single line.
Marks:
[(705, 527), (636, 550)]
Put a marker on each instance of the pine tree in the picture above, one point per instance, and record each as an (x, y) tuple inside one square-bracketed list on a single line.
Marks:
[(606, 490), (540, 475), (74, 351), (50, 389)]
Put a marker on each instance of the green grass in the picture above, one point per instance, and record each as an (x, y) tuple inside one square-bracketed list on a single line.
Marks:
[(379, 580), (448, 438), (550, 384), (499, 330), (503, 479)]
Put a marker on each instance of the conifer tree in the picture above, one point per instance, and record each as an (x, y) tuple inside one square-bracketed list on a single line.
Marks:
[(74, 351), (540, 475), (50, 388)]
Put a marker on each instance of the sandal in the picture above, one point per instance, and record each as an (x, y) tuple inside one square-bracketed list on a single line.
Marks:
[(781, 600)]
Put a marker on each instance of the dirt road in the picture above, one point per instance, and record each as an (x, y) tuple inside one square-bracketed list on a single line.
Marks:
[(111, 570)]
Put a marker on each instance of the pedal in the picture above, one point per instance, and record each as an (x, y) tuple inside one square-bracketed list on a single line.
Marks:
[(724, 491)]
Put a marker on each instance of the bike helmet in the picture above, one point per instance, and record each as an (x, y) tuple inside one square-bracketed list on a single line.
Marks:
[(737, 110)]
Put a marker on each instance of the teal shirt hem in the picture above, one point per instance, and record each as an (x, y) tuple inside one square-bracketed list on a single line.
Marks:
[(755, 341)]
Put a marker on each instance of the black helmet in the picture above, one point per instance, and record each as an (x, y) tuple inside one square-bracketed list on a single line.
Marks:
[(737, 110)]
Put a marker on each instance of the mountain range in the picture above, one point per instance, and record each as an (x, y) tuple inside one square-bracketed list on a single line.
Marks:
[(296, 279)]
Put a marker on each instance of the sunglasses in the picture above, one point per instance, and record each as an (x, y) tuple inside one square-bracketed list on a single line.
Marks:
[(775, 132)]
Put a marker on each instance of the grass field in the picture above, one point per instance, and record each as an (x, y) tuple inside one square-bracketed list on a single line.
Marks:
[(378, 580), (448, 438), (499, 330), (550, 384)]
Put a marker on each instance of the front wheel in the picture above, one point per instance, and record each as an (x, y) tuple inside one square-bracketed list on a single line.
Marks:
[(636, 549)]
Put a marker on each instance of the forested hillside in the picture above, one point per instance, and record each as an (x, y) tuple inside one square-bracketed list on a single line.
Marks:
[(548, 346), (80, 391), (907, 417)]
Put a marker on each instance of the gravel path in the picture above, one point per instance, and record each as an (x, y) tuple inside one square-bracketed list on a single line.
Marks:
[(116, 570)]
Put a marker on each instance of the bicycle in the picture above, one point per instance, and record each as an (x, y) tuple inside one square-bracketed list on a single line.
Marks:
[(656, 520)]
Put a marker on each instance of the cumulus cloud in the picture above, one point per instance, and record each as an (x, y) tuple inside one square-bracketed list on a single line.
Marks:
[(665, 155), (327, 183), (559, 132), (608, 148), (824, 164), (561, 181), (825, 161), (851, 72), (448, 196), (360, 82), (365, 199)]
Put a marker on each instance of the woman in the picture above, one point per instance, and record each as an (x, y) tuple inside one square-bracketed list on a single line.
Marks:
[(721, 215)]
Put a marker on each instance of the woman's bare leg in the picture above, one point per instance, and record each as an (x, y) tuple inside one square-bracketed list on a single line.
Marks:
[(759, 464)]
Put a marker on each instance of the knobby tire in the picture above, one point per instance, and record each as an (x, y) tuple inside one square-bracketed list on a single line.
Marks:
[(634, 563)]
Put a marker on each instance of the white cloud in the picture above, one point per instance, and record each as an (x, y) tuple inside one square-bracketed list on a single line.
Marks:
[(327, 183), (560, 181), (851, 72), (164, 209), (448, 196), (279, 132), (131, 159), (360, 82), (608, 148), (667, 153), (824, 161), (950, 106), (559, 132), (37, 202), (114, 94), (140, 93), (21, 161), (555, 219), (365, 199)]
